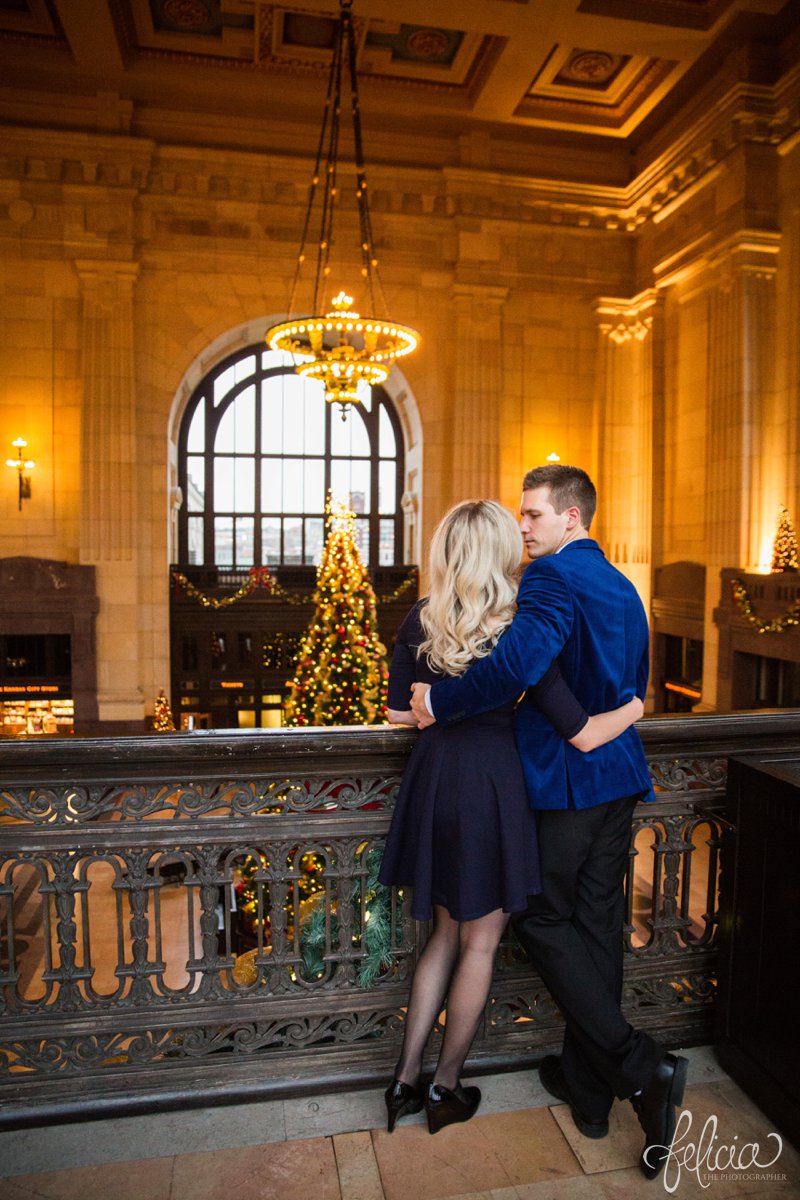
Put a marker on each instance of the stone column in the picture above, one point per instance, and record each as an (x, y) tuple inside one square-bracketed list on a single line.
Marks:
[(109, 481), (477, 391), (787, 395), (630, 379), (739, 412)]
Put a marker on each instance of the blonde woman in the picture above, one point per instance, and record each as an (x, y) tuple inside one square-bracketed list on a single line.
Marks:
[(463, 836)]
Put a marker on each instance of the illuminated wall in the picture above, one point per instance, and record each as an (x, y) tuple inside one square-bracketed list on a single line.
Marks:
[(647, 330)]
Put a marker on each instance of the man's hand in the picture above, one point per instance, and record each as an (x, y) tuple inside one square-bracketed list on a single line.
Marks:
[(419, 707)]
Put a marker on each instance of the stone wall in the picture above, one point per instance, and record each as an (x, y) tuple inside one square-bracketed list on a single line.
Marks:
[(647, 330)]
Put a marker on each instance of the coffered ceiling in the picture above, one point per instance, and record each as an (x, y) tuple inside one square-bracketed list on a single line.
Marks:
[(607, 68)]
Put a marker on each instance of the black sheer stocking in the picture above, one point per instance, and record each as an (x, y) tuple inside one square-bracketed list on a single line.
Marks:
[(428, 990), (469, 991), (457, 962)]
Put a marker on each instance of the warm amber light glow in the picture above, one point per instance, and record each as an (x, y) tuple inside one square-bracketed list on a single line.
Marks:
[(345, 350), (683, 691), (762, 567), (20, 465)]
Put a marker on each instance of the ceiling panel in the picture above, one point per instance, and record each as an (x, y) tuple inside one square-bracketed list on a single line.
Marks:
[(599, 67)]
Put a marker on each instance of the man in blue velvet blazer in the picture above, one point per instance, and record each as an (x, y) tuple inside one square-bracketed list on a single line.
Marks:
[(575, 606)]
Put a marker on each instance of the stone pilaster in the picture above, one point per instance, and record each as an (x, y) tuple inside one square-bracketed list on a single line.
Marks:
[(787, 391), (108, 480), (630, 378), (740, 483), (477, 391), (108, 415)]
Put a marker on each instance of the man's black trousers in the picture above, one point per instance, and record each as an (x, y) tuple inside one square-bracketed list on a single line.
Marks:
[(572, 932)]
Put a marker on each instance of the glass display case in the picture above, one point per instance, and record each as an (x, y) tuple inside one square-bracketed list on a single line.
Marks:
[(35, 718)]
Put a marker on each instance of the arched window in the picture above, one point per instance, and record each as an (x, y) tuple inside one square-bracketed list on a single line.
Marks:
[(258, 450)]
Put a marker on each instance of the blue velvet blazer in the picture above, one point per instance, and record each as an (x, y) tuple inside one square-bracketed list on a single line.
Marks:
[(576, 607)]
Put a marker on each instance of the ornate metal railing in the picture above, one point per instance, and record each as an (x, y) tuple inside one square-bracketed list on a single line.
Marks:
[(119, 924)]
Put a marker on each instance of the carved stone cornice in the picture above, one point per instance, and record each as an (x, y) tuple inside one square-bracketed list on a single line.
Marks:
[(107, 164), (105, 282), (72, 157), (623, 320), (710, 258), (479, 302)]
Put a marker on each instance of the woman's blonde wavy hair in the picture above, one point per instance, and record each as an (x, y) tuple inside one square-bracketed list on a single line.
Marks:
[(474, 556)]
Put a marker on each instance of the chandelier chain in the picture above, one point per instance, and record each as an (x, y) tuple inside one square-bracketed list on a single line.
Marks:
[(364, 221), (312, 192), (336, 345), (331, 175)]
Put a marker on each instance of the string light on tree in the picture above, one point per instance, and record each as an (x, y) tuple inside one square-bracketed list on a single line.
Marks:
[(376, 939), (307, 883), (340, 672), (312, 918), (784, 548), (162, 714)]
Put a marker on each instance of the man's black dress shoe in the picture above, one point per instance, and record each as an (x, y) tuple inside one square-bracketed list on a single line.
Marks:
[(446, 1107), (553, 1081), (401, 1100), (655, 1107)]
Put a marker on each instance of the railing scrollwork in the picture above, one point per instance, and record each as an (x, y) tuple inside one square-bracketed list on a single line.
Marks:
[(130, 965)]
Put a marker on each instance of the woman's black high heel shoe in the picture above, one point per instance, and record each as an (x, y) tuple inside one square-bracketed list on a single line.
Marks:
[(446, 1107), (401, 1100)]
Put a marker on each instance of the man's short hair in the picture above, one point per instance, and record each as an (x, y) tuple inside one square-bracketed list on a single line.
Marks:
[(568, 486)]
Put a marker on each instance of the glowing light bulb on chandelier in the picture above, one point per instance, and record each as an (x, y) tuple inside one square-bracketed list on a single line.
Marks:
[(340, 348)]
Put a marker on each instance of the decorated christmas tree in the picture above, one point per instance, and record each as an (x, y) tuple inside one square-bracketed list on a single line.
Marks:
[(340, 671), (784, 548), (376, 939), (162, 715), (308, 883), (317, 916)]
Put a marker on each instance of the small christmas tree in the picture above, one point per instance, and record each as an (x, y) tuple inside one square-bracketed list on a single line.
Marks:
[(162, 716), (340, 671), (784, 548)]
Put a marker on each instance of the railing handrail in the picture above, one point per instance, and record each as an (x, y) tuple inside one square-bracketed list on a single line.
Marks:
[(313, 746)]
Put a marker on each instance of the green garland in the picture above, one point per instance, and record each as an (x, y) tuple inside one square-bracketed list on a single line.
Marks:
[(260, 577), (743, 602), (377, 935)]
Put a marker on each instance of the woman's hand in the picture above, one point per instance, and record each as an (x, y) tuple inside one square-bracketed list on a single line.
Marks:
[(401, 717), (604, 727)]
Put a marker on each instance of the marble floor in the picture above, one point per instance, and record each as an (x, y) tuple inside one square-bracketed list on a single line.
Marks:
[(521, 1146)]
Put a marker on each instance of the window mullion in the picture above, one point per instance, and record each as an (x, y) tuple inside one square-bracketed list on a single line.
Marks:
[(374, 480), (258, 554), (209, 555)]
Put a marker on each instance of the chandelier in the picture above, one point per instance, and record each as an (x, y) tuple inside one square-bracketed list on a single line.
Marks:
[(339, 347)]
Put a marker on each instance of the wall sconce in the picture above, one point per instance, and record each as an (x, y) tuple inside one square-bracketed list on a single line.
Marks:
[(21, 465), (554, 458)]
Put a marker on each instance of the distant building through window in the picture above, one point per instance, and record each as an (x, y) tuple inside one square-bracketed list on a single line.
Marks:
[(259, 449)]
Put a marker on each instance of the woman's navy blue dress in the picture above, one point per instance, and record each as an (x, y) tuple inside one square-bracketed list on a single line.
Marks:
[(463, 834)]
